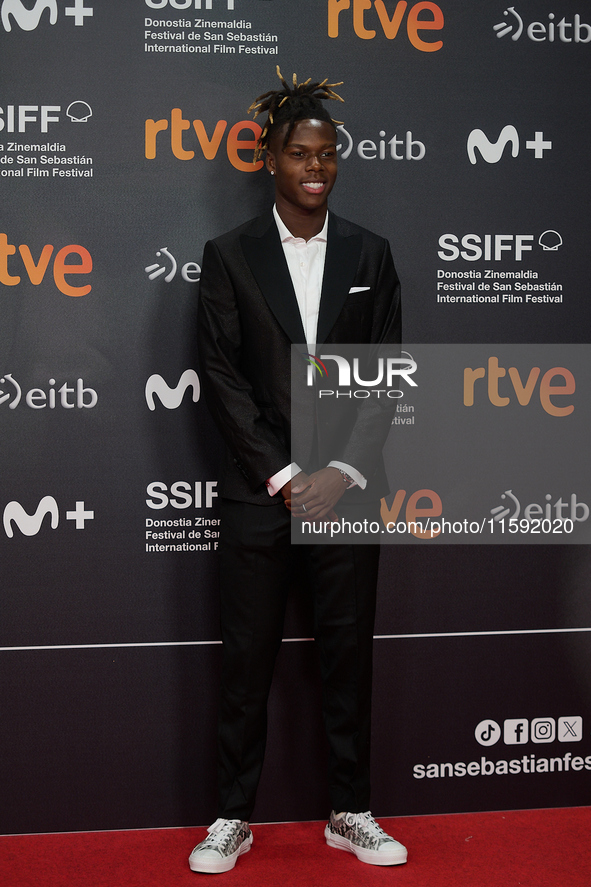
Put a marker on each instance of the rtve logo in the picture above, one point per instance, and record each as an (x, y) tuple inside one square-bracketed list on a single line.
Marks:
[(522, 389), (414, 512), (209, 145), (30, 524), (389, 25), (171, 398), (568, 32), (492, 152), (519, 731), (36, 270), (15, 12)]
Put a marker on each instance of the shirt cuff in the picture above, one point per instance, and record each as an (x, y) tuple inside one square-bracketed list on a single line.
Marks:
[(359, 479), (278, 481)]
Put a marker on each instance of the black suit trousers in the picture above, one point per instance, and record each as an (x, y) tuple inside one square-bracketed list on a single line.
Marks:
[(257, 566)]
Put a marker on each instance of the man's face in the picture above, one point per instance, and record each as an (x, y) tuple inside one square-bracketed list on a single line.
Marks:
[(306, 169)]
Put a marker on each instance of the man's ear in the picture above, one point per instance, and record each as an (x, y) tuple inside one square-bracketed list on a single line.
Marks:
[(270, 161)]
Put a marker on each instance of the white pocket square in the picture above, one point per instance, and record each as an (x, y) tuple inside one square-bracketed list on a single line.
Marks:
[(359, 289)]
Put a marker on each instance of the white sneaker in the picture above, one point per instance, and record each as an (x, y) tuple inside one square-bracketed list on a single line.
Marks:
[(360, 834), (227, 840)]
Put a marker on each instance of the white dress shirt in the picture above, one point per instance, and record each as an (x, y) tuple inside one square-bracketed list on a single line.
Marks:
[(305, 261)]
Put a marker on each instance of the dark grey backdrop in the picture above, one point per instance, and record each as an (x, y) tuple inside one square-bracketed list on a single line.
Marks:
[(109, 653)]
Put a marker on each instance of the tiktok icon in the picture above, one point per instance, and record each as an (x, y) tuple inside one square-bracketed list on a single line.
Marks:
[(487, 732)]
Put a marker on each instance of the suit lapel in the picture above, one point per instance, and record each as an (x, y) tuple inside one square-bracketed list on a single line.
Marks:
[(340, 266), (264, 254)]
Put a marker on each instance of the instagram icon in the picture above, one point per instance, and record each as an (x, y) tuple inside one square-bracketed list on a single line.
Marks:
[(543, 730)]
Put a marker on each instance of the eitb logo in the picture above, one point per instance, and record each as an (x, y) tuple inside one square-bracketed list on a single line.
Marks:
[(555, 29)]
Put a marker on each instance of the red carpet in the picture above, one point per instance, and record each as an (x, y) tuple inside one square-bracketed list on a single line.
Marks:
[(538, 848)]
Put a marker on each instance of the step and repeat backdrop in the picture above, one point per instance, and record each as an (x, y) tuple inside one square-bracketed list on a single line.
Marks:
[(124, 146)]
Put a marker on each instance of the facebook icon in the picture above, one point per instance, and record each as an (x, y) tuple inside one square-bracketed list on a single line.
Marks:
[(515, 731)]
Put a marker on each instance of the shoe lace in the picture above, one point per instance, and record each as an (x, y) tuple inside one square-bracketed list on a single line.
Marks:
[(222, 832), (367, 822)]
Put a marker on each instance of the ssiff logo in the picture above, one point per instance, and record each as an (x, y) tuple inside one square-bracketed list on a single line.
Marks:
[(389, 25), (568, 32), (18, 117), (15, 12), (492, 248), (186, 4)]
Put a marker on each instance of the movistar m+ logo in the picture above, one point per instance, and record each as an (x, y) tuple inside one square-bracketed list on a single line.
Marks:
[(14, 12), (492, 152), (171, 398), (30, 524)]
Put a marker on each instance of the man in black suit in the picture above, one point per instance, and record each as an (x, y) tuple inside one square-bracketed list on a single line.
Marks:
[(296, 275)]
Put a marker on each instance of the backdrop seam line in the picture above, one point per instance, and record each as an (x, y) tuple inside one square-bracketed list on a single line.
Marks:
[(377, 637)]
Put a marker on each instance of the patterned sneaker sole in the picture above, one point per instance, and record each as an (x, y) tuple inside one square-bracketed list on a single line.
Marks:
[(214, 866), (397, 856)]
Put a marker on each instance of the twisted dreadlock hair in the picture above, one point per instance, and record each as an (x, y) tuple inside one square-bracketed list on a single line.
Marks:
[(302, 101)]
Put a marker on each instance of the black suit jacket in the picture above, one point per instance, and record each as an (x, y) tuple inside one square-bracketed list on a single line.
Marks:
[(248, 320)]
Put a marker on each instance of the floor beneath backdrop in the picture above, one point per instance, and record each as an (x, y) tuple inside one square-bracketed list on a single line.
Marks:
[(533, 848)]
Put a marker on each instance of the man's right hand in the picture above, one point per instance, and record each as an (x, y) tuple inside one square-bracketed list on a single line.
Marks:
[(299, 479), (302, 483)]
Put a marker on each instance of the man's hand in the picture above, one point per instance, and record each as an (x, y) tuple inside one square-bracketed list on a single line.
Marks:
[(300, 480), (314, 496)]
